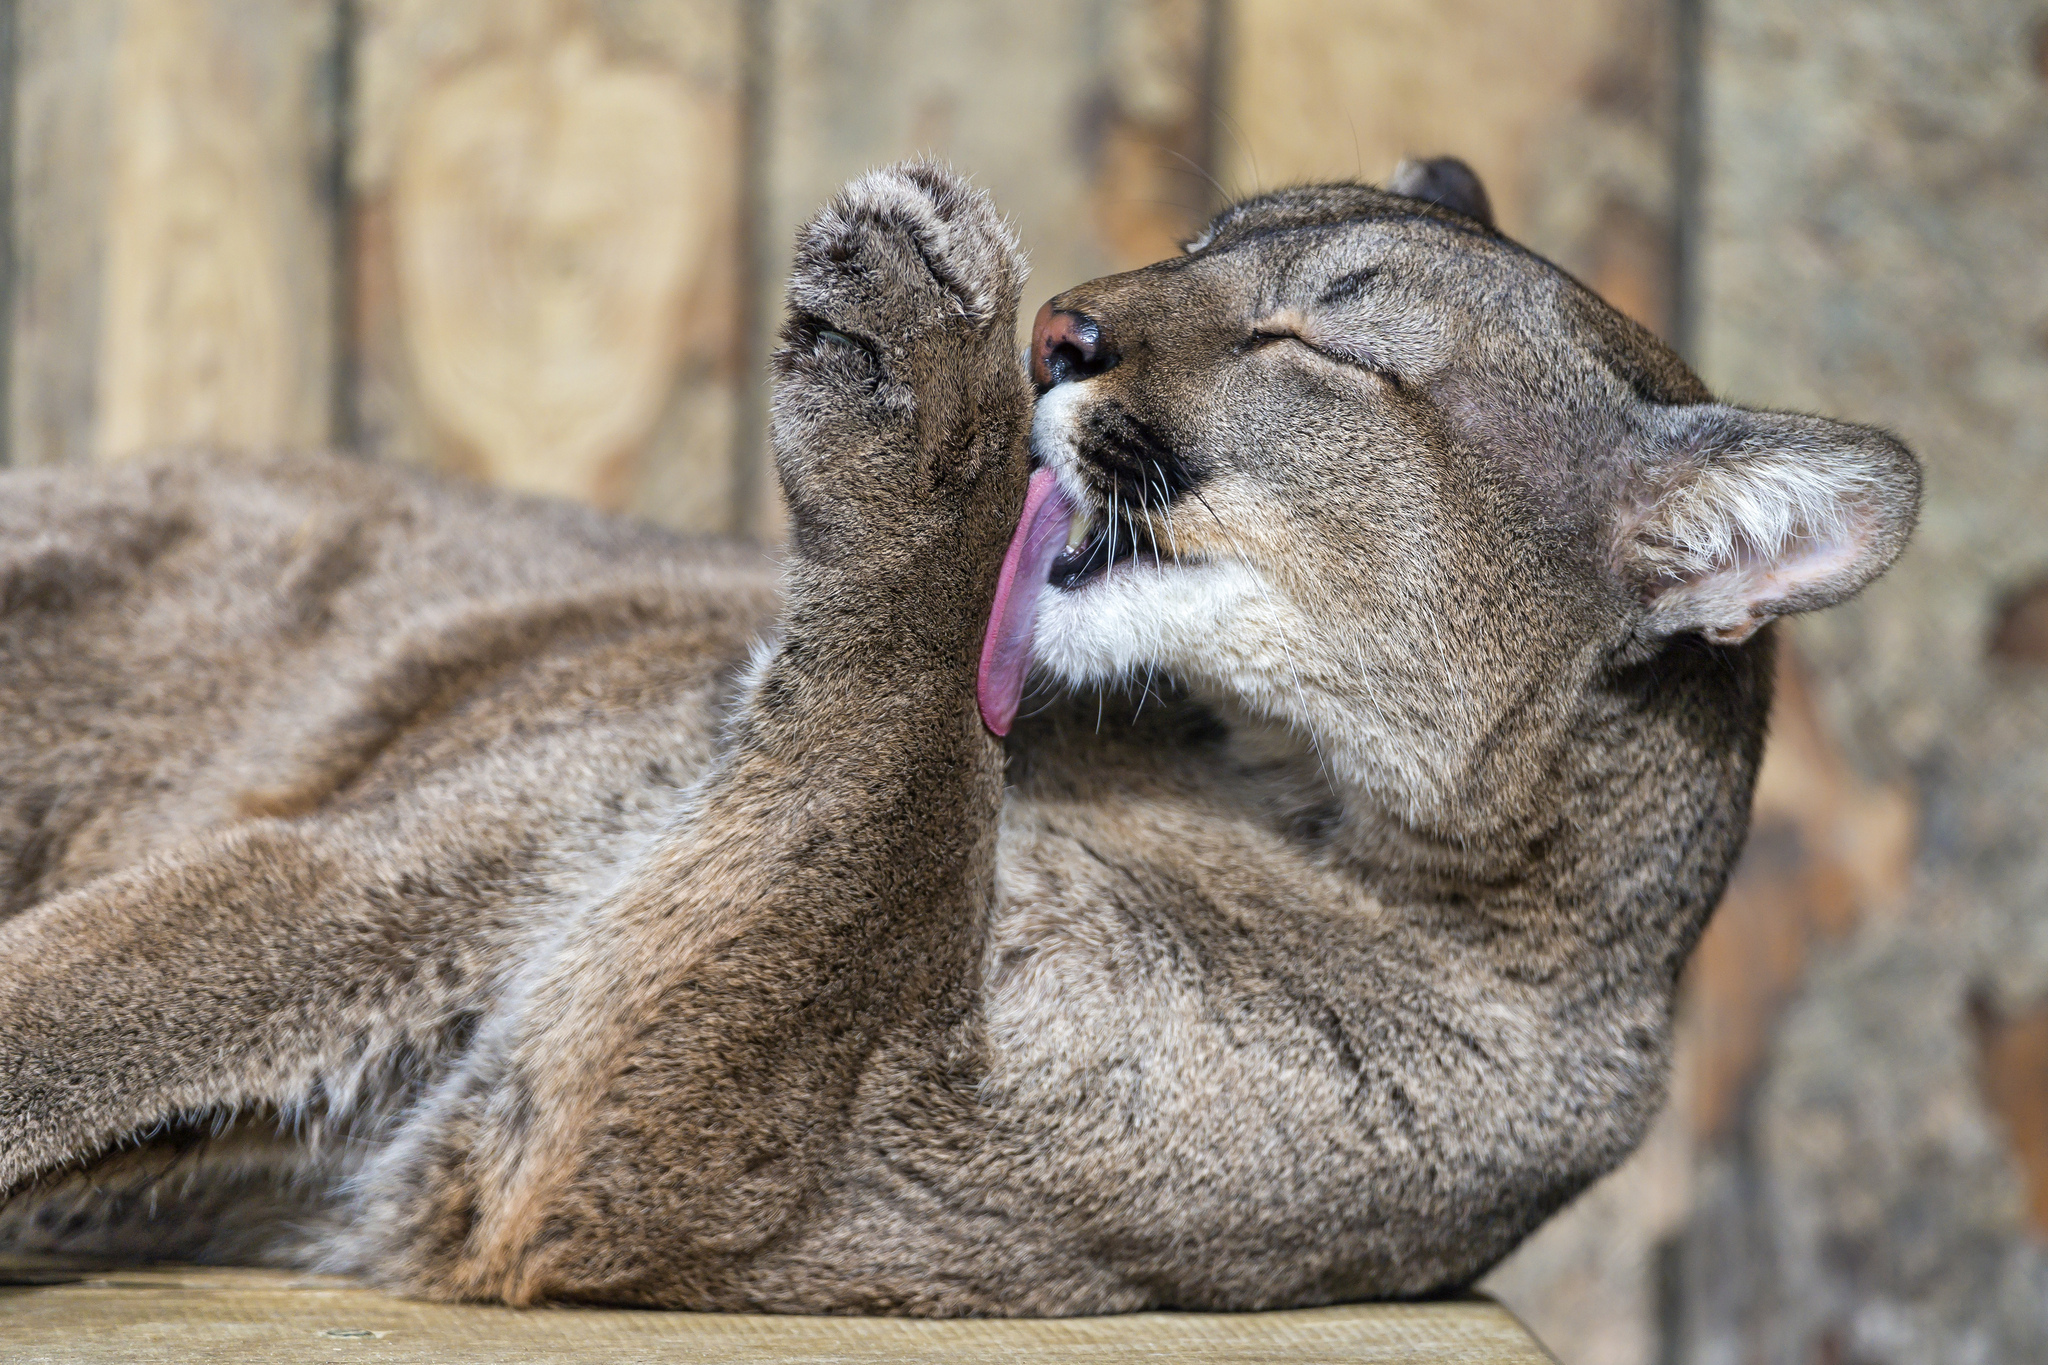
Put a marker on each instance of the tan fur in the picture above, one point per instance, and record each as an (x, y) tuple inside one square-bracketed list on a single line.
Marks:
[(506, 902)]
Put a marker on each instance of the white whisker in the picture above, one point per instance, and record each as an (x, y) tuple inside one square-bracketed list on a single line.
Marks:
[(1109, 565), (1243, 558), (1166, 507)]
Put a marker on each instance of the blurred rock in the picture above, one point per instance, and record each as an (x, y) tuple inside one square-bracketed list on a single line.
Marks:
[(2021, 633), (1876, 201), (1862, 1099)]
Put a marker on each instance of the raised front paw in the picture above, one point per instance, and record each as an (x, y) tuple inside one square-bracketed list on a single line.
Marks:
[(898, 379)]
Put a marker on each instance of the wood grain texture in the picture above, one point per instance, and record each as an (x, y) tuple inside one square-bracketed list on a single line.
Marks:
[(61, 80), (1875, 196), (1072, 114), (546, 197), (230, 1316), (174, 266)]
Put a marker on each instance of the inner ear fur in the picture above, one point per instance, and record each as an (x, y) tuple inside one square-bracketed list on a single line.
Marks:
[(1732, 518), (1444, 180)]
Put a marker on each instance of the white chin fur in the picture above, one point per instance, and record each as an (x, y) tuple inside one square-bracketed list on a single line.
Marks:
[(1196, 621), (1212, 622)]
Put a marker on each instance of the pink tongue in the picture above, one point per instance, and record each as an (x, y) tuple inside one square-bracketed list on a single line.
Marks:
[(1006, 649)]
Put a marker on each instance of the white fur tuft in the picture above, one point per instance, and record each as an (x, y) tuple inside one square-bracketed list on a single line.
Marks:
[(1757, 507), (1751, 515)]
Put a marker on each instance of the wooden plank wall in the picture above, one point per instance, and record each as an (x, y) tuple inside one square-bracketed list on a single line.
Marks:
[(1568, 111), (540, 242), (173, 250), (544, 219), (537, 242)]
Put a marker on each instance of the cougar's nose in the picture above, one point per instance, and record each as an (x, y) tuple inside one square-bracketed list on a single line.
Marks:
[(1065, 346)]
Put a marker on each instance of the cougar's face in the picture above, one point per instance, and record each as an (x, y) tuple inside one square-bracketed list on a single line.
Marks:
[(1335, 462)]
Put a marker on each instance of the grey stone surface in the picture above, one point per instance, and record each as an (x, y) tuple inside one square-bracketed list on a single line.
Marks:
[(1874, 246), (1876, 213)]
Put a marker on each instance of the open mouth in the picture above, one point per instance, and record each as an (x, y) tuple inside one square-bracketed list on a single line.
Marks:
[(1061, 545), (1099, 540)]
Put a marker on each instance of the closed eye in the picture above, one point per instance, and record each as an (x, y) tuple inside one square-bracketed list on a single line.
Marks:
[(1357, 360)]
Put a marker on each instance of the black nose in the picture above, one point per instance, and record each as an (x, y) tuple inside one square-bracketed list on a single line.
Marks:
[(1066, 346)]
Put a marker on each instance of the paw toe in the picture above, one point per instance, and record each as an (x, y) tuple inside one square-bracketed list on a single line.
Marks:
[(914, 228)]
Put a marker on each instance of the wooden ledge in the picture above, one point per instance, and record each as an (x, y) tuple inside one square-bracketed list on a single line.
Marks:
[(179, 1315)]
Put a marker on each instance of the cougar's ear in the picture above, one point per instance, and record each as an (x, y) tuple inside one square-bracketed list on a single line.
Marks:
[(1447, 181), (1731, 518)]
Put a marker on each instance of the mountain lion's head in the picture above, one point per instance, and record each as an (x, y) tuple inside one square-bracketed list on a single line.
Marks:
[(1359, 464)]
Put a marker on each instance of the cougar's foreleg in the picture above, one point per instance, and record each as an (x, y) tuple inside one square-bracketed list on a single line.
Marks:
[(673, 1102)]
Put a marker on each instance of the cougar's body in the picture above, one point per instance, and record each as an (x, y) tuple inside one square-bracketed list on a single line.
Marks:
[(503, 901)]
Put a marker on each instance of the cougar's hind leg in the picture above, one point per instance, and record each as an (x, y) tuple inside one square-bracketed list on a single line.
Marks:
[(274, 972), (252, 1193)]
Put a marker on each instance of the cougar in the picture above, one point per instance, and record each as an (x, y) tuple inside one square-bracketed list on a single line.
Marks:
[(1219, 833)]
